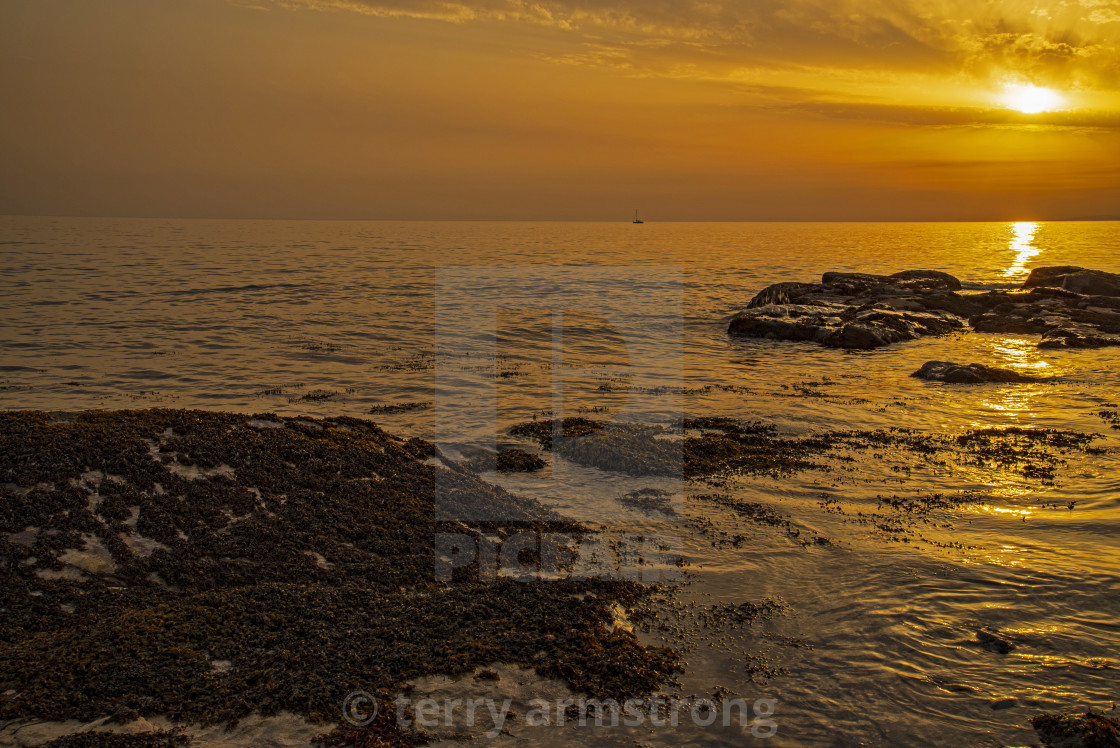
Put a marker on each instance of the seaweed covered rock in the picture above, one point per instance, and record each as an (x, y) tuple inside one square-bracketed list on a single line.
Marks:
[(483, 459), (107, 739), (202, 566), (1088, 730), (518, 461), (710, 445), (953, 373), (635, 449)]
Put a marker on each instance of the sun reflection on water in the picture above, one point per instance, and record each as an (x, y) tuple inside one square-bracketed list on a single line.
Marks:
[(1015, 403), (1002, 511), (1022, 243), (1020, 401), (1018, 353)]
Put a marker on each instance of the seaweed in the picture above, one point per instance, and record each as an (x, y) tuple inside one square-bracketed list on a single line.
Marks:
[(518, 461), (713, 446), (204, 566), (105, 739), (1088, 730)]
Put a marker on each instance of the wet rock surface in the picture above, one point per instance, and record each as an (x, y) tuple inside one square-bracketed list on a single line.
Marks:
[(953, 373), (1069, 306), (204, 566), (1079, 280), (1088, 730), (518, 461), (635, 449), (855, 310), (1004, 703), (708, 447), (650, 500), (994, 642)]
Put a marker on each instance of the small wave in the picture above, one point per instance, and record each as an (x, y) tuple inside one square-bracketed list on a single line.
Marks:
[(235, 289)]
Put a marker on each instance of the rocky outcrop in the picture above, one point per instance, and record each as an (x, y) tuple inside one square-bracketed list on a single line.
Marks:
[(1064, 319), (1068, 306), (846, 287), (1071, 307), (947, 371), (1075, 279), (857, 310), (841, 328)]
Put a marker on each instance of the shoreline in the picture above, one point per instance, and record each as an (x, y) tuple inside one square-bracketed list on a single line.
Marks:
[(220, 555), (208, 566)]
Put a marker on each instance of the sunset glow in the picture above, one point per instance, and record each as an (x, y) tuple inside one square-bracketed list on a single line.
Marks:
[(398, 372), (725, 110), (1022, 244), (1032, 99)]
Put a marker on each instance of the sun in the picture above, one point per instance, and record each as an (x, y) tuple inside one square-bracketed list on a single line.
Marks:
[(1031, 99)]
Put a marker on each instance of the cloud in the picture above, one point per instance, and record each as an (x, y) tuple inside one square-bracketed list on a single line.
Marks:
[(1071, 43), (688, 19), (925, 116), (1105, 15)]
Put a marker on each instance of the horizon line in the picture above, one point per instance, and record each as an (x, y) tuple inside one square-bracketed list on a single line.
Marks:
[(1077, 219)]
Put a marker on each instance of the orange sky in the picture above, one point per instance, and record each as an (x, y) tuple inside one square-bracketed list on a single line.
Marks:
[(559, 109)]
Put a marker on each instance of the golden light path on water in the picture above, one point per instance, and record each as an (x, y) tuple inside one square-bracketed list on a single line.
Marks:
[(997, 510), (1022, 243), (1020, 404), (1017, 403), (1019, 353)]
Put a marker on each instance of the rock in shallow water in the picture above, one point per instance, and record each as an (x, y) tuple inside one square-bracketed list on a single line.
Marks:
[(993, 642), (1075, 279), (856, 310), (1088, 730), (518, 461), (953, 373), (1071, 307)]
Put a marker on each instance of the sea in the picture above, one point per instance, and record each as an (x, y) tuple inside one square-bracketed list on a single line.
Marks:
[(455, 331)]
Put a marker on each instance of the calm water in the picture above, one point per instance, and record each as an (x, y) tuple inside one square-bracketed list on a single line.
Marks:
[(329, 318)]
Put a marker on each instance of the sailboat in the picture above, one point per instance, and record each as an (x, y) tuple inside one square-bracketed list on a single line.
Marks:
[(636, 219)]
